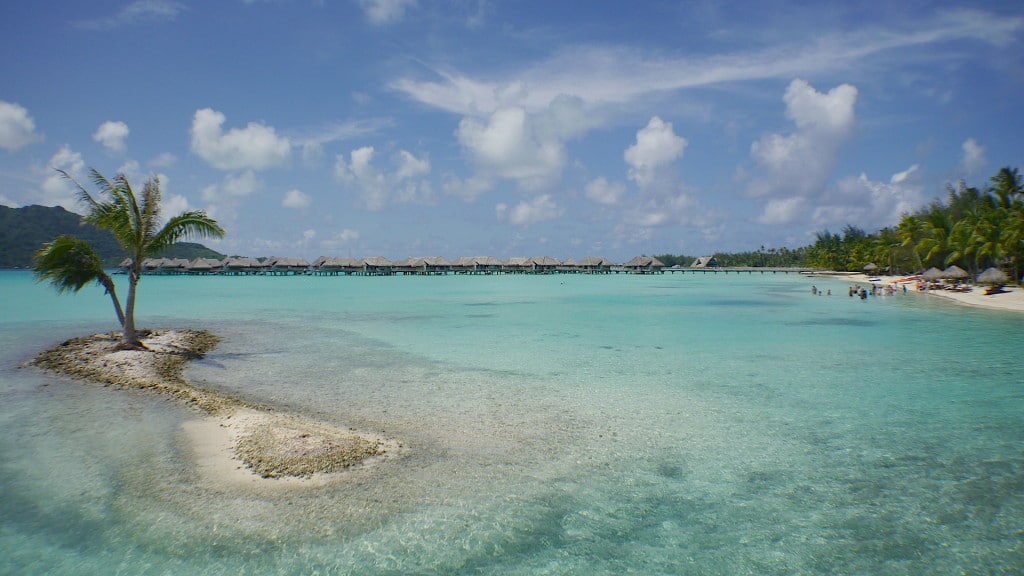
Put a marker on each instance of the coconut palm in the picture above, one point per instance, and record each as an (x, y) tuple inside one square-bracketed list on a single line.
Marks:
[(135, 222)]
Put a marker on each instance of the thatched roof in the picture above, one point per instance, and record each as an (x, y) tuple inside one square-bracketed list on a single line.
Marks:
[(704, 262), (377, 262), (993, 276), (954, 271), (644, 262), (544, 261), (595, 261), (932, 274), (870, 267)]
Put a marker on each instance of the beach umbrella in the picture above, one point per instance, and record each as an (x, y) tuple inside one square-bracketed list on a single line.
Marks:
[(932, 274), (992, 276), (955, 272), (870, 267)]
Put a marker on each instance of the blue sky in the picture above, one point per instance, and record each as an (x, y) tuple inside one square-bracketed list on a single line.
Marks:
[(476, 127)]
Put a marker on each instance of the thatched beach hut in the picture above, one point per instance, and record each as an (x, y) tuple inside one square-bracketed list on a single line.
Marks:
[(955, 272), (993, 276)]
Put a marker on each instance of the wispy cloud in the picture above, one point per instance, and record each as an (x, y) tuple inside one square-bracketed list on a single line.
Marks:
[(138, 12), (615, 75)]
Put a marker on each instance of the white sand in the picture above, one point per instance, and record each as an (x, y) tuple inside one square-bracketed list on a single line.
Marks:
[(1010, 300)]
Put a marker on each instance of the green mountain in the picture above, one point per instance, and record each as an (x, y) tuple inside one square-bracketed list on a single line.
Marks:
[(25, 230)]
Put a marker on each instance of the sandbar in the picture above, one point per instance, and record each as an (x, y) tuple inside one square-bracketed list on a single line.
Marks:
[(233, 441)]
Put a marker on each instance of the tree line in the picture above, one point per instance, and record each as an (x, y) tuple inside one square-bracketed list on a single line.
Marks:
[(972, 228)]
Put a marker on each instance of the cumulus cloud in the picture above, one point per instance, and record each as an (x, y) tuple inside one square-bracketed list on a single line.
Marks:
[(233, 186), (801, 162), (385, 11), (601, 191), (657, 145), (783, 210), (973, 156), (527, 147), (870, 204), (56, 190), (528, 212), (377, 188), (296, 199), (112, 135), (138, 12), (17, 128), (256, 146)]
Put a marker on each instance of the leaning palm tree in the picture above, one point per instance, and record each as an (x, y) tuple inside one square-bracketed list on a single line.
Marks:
[(69, 263)]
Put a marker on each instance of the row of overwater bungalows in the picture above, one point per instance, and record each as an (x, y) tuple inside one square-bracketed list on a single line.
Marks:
[(380, 266)]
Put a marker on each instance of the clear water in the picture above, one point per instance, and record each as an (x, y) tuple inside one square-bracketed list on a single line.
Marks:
[(555, 425)]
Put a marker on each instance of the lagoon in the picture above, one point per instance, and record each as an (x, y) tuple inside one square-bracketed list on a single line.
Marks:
[(554, 425)]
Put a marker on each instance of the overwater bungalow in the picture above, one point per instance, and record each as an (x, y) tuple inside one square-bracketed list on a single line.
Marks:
[(644, 265), (595, 265), (705, 262)]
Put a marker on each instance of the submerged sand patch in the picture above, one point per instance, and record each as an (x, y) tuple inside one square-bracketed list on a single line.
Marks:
[(237, 434)]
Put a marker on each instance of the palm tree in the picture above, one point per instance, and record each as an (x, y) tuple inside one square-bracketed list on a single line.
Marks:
[(70, 264)]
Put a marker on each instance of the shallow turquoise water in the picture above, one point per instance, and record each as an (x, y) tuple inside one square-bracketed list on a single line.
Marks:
[(555, 425)]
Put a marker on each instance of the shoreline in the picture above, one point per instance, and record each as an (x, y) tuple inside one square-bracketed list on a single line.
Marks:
[(1010, 300), (233, 442)]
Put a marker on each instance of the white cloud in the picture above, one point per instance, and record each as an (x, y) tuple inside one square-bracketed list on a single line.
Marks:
[(506, 146), (56, 190), (347, 238), (802, 162), (528, 212), (296, 199), (138, 12), (163, 160), (974, 156), (868, 204), (233, 186), (527, 147), (378, 188), (602, 191), (468, 189), (308, 235), (385, 11), (173, 205), (657, 145), (256, 146), (783, 211), (112, 135), (17, 128), (604, 74)]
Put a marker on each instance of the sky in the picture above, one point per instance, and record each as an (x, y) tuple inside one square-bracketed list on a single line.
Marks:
[(409, 128)]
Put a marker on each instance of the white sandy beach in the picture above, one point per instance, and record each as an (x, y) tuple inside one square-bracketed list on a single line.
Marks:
[(1012, 299)]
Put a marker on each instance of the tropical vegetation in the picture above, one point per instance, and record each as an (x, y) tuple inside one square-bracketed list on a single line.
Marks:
[(70, 263), (973, 229)]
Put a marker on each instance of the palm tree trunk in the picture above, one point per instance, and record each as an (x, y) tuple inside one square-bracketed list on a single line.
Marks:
[(128, 337), (108, 285)]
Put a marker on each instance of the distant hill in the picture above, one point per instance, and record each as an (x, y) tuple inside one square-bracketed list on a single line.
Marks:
[(25, 230)]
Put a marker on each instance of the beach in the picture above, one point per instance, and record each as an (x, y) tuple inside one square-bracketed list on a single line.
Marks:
[(1011, 299)]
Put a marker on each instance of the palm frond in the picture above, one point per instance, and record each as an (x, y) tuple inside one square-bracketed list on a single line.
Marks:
[(68, 264), (192, 224)]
